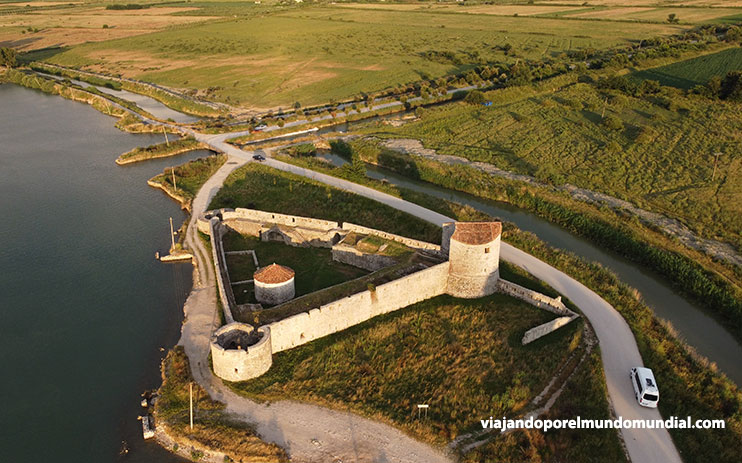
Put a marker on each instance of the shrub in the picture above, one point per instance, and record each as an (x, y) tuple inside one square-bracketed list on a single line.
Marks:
[(475, 97), (8, 57), (613, 122)]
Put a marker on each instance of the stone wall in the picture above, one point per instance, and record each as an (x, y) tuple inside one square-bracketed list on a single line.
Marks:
[(290, 229), (352, 310), (542, 301), (216, 230), (415, 244), (546, 328), (247, 362), (279, 219), (554, 305), (349, 255)]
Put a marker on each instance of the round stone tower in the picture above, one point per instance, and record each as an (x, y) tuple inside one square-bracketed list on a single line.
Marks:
[(474, 258), (274, 284), (239, 352)]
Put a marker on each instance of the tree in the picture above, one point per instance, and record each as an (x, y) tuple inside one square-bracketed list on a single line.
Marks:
[(733, 34), (731, 86), (297, 105), (672, 18), (8, 57), (475, 97)]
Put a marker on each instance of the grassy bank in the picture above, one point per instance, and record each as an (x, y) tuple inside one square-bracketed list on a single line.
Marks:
[(180, 104), (160, 150), (259, 187), (54, 87), (213, 429), (189, 178), (712, 284)]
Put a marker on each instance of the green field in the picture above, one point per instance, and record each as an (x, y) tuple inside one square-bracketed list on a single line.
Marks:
[(696, 71), (260, 187), (316, 54), (660, 156)]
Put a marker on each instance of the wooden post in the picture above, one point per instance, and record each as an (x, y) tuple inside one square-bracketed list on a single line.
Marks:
[(716, 161), (175, 186), (167, 142), (190, 387), (172, 235)]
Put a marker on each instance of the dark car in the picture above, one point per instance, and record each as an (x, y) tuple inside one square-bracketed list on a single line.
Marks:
[(258, 157)]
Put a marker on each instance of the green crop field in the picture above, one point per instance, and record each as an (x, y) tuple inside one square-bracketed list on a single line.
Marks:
[(696, 71), (315, 54), (660, 156)]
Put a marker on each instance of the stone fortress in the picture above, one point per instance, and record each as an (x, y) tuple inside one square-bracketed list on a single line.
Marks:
[(466, 265)]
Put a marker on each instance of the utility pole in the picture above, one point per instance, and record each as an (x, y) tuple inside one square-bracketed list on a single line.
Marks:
[(190, 387), (716, 161), (172, 235), (175, 186)]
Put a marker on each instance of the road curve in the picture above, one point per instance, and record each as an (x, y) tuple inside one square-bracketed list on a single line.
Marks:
[(309, 433), (619, 351)]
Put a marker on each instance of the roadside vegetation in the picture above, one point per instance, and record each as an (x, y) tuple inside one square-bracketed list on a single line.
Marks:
[(160, 150), (259, 187), (189, 178), (213, 429)]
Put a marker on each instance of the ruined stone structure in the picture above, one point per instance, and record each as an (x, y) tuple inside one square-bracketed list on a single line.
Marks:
[(274, 284), (471, 269), (239, 352)]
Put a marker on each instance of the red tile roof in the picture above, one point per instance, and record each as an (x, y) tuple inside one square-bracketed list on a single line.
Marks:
[(273, 274), (476, 232)]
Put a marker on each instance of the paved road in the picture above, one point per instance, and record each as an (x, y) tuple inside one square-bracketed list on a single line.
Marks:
[(619, 351), (308, 432)]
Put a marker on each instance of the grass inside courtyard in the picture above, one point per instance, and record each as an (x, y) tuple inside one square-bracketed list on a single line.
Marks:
[(314, 268)]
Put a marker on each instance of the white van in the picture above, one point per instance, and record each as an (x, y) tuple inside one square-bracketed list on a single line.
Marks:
[(645, 387)]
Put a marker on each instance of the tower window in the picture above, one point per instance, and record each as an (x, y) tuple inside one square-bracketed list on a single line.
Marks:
[(486, 250)]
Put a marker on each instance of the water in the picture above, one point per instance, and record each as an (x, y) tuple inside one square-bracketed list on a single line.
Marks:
[(693, 323), (84, 306), (148, 104)]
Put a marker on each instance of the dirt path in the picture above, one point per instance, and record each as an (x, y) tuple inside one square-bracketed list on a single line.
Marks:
[(309, 433)]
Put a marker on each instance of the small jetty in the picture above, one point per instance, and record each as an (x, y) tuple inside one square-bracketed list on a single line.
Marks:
[(148, 422), (176, 254), (175, 257), (148, 430)]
